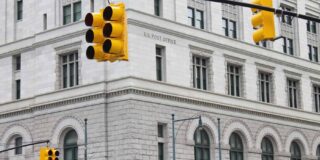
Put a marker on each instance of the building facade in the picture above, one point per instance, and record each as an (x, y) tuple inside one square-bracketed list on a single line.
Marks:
[(186, 57)]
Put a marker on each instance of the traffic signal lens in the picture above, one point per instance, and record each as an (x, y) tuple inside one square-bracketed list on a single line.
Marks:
[(112, 30), (113, 46), (113, 13), (88, 19), (57, 153), (50, 152), (95, 35), (89, 36), (90, 52), (94, 19)]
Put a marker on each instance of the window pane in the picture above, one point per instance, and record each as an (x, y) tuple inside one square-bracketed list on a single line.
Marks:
[(67, 14), (160, 151), (76, 11), (19, 9), (18, 142), (157, 7), (18, 62), (199, 19), (18, 89), (191, 16)]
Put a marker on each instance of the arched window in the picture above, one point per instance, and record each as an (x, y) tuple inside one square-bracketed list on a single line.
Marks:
[(70, 146), (267, 149), (295, 151), (318, 152), (202, 145), (236, 147), (17, 143)]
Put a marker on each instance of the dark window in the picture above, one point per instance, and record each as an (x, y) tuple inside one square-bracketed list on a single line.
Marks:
[(199, 19), (191, 16), (316, 99), (293, 93), (92, 5), (157, 7), (67, 14), (18, 142), (295, 151), (160, 151), (202, 145), (234, 80), (160, 130), (17, 60), (200, 72), (45, 21), (313, 53), (287, 46), (229, 27), (286, 18), (311, 26), (267, 149), (318, 152), (18, 89), (19, 9), (265, 87), (70, 70), (76, 11), (236, 147), (70, 146), (160, 63), (262, 44)]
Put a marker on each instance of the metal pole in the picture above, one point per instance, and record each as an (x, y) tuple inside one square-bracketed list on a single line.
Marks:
[(38, 142), (85, 139), (173, 140), (219, 137)]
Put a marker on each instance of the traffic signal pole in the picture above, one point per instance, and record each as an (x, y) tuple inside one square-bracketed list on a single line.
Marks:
[(274, 10), (30, 144)]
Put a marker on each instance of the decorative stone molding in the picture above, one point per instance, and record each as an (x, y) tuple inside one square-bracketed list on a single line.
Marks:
[(315, 144), (64, 124), (273, 134), (298, 136), (236, 125), (16, 129)]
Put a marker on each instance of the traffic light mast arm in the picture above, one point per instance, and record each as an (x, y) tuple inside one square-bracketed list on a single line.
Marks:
[(38, 142), (276, 11)]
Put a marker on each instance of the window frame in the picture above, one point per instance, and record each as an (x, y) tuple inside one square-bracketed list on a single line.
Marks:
[(228, 30), (313, 53), (316, 97), (294, 147), (74, 148), (160, 55), (203, 77), (202, 147), (238, 142), (72, 12), (267, 152), (76, 69), (194, 19), (236, 92), (294, 95), (288, 46), (262, 78), (18, 141), (158, 8), (162, 141), (19, 11)]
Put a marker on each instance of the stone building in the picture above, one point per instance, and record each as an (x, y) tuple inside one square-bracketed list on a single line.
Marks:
[(186, 57)]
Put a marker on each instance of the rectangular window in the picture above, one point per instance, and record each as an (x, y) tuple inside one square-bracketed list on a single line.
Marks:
[(92, 5), (19, 9), (76, 11), (265, 87), (18, 89), (160, 130), (313, 53), (17, 61), (316, 95), (293, 93), (311, 26), (66, 14), (229, 27), (161, 141), (18, 142), (288, 46), (45, 21), (199, 19), (160, 151), (286, 18), (200, 72), (70, 70), (157, 7), (160, 59), (234, 80), (191, 16)]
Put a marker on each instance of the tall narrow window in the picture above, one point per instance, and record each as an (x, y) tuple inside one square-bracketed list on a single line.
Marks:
[(225, 26), (316, 98), (236, 147), (19, 9), (295, 151), (70, 146), (70, 70), (17, 61), (293, 93), (157, 7), (318, 152), (267, 149), (191, 19), (67, 14), (160, 63), (311, 26), (229, 27), (313, 53), (286, 18), (92, 5), (18, 89), (202, 145), (234, 80), (200, 72), (288, 46), (45, 21), (265, 87), (18, 143), (76, 11), (199, 19), (161, 141)]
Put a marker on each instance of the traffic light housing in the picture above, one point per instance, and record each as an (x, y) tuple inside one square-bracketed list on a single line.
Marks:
[(55, 154), (263, 21), (49, 153), (109, 33)]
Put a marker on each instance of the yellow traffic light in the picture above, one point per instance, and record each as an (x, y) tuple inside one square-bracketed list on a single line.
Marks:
[(55, 154), (263, 22), (109, 33), (45, 153)]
